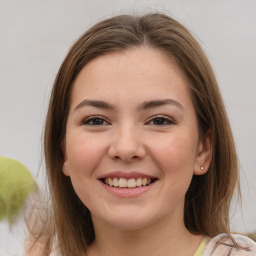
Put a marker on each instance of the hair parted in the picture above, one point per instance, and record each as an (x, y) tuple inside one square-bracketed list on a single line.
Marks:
[(208, 199)]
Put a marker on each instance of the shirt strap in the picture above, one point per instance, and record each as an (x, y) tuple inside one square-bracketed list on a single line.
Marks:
[(201, 248)]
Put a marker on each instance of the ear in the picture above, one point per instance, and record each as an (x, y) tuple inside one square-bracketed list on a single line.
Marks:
[(65, 168), (204, 154)]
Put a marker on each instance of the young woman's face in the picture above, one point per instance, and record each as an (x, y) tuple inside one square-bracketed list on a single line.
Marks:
[(132, 143)]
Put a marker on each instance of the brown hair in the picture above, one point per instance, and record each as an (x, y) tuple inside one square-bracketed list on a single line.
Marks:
[(208, 199)]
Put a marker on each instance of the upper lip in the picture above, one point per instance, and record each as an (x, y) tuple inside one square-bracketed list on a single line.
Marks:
[(126, 175)]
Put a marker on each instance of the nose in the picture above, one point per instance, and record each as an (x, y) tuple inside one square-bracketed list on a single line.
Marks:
[(127, 144)]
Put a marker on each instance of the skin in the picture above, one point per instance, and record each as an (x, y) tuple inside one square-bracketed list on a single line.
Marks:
[(129, 138)]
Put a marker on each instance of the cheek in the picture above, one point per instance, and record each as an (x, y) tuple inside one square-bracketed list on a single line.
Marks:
[(176, 156), (83, 153), (178, 150), (83, 156)]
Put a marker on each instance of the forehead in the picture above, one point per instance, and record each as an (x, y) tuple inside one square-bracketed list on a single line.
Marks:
[(142, 72)]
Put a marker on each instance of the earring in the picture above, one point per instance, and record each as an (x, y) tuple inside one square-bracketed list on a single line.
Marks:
[(201, 168)]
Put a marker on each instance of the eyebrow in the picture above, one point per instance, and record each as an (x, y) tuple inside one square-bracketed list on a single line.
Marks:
[(144, 106), (158, 103)]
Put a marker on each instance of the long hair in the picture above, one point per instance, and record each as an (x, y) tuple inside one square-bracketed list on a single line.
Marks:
[(207, 201)]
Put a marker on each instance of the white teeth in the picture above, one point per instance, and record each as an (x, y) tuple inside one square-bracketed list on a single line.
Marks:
[(115, 182), (123, 183), (110, 182), (130, 183), (138, 182)]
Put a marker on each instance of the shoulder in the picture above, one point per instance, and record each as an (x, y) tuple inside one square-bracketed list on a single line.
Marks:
[(223, 245)]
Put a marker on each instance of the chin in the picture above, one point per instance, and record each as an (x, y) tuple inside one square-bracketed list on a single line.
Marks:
[(129, 221)]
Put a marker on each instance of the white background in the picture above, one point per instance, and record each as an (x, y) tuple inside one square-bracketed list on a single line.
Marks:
[(35, 36)]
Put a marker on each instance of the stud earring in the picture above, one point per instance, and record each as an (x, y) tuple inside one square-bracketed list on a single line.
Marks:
[(201, 168)]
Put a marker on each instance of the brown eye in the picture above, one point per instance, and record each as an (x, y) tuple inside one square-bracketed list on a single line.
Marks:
[(160, 121), (95, 121)]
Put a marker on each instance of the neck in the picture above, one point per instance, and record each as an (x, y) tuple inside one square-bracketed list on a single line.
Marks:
[(157, 239)]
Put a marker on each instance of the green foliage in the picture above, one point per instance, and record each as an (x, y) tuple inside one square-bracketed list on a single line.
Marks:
[(16, 183)]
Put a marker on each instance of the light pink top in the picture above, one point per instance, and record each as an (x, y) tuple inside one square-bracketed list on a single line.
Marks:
[(220, 246), (217, 246)]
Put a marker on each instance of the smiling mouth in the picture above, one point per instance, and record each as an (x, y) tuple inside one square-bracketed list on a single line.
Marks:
[(128, 183)]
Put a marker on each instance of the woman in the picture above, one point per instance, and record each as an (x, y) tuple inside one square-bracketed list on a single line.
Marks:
[(139, 151)]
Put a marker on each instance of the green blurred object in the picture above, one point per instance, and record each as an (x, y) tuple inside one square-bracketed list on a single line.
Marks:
[(16, 183)]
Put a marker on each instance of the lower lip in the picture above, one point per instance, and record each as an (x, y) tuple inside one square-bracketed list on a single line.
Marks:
[(128, 192)]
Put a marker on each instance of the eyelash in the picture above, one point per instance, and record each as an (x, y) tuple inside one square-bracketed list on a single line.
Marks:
[(162, 118), (101, 119), (91, 119)]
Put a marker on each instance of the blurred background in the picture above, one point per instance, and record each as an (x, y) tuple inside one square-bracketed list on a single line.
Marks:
[(36, 35)]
